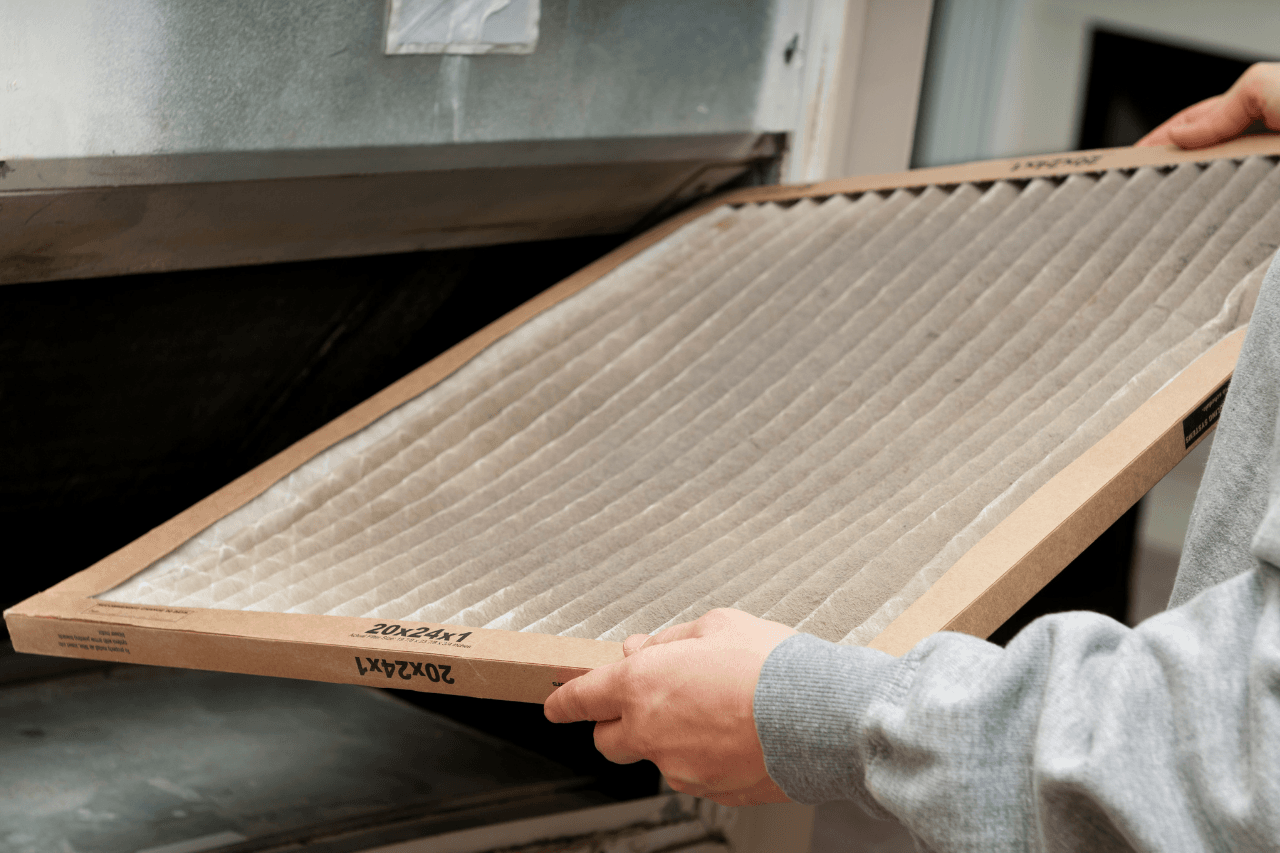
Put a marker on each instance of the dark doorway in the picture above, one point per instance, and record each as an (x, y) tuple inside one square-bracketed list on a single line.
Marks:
[(128, 399), (1135, 83)]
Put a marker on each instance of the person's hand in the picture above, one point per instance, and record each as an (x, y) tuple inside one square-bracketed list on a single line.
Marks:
[(683, 699), (1255, 96)]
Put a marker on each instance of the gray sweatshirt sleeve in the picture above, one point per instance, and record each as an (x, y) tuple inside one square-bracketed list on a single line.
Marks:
[(1082, 734)]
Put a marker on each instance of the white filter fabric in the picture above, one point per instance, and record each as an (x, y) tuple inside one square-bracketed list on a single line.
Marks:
[(808, 412)]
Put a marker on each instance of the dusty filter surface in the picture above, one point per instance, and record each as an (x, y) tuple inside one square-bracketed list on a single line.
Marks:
[(808, 412)]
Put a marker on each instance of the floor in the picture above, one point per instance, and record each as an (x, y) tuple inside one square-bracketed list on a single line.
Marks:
[(843, 827)]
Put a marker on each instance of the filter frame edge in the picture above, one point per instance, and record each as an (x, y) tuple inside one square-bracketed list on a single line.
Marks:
[(976, 595)]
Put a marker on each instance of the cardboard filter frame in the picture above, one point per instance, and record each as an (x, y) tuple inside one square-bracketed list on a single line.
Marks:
[(976, 595)]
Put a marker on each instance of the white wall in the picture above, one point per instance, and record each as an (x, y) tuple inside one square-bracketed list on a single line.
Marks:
[(1012, 72), (848, 91)]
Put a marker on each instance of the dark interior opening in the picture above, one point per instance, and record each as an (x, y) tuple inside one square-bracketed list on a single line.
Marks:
[(128, 399), (1135, 83)]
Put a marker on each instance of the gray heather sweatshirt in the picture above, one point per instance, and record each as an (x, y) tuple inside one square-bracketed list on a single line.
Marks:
[(1082, 734)]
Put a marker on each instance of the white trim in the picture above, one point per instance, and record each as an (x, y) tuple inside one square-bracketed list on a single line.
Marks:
[(842, 77)]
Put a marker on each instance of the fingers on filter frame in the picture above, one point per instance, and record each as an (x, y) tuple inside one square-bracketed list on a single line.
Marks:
[(594, 696), (1254, 96), (1214, 120)]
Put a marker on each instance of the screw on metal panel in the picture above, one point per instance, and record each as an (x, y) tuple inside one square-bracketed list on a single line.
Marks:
[(789, 52)]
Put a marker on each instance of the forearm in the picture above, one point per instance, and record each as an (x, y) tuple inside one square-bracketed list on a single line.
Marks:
[(1081, 731)]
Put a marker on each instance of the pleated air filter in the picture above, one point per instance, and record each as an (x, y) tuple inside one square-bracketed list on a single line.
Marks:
[(865, 411)]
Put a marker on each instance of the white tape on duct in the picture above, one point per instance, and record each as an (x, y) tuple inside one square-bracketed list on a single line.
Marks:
[(462, 26)]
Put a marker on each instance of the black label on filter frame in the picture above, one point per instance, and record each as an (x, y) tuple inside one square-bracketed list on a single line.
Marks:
[(1205, 415)]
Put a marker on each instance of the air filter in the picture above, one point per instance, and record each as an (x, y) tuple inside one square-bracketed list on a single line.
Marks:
[(869, 409)]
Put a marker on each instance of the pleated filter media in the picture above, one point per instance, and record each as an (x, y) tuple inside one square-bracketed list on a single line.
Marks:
[(808, 411)]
